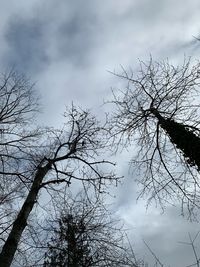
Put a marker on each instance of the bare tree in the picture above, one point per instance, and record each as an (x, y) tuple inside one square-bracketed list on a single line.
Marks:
[(86, 235), (18, 107), (33, 160), (159, 112)]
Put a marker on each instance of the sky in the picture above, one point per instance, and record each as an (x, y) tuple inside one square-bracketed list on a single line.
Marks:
[(68, 48)]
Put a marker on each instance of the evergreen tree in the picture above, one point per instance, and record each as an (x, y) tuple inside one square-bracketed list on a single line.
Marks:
[(86, 235)]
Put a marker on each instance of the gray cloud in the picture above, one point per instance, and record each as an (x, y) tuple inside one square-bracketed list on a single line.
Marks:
[(78, 36), (25, 39), (67, 46)]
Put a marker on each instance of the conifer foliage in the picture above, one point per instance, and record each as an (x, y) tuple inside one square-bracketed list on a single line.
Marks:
[(86, 235)]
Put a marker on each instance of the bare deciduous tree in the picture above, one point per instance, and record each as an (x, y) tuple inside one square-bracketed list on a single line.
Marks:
[(18, 106), (159, 111), (35, 160)]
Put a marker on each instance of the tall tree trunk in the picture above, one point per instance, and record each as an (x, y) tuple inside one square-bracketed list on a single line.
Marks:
[(184, 139), (12, 242)]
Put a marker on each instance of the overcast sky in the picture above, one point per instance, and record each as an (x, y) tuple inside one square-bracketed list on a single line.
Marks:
[(68, 47)]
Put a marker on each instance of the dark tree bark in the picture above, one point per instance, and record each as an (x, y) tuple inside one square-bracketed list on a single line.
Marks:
[(183, 138)]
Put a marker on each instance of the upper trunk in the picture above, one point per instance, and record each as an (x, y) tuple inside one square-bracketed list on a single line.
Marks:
[(183, 138), (11, 244)]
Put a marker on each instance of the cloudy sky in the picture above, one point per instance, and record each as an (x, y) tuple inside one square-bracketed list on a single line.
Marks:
[(68, 47)]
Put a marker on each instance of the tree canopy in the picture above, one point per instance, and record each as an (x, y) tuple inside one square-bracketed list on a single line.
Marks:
[(159, 113)]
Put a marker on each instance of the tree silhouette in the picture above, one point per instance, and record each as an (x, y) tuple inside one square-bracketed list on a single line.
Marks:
[(34, 160), (159, 112), (86, 235)]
